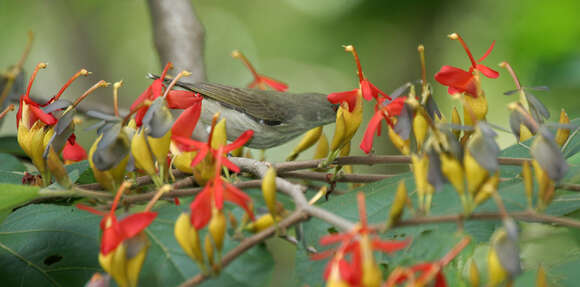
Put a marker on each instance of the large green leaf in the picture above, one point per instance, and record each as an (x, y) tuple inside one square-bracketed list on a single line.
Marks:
[(9, 144), (10, 163), (13, 195), (47, 245)]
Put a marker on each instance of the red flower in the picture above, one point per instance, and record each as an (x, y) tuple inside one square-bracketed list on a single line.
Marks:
[(387, 111), (350, 244), (72, 151), (115, 231), (187, 120), (260, 81), (366, 88), (460, 81), (202, 148), (175, 99), (214, 194), (31, 110), (423, 273)]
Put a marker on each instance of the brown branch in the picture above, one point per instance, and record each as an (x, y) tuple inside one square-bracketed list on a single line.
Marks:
[(179, 36), (322, 176), (530, 216), (370, 160)]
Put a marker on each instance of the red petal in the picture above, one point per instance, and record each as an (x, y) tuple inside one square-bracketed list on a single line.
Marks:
[(201, 208), (110, 239), (186, 122), (452, 76), (156, 89), (378, 91), (327, 269), (396, 106), (366, 90), (240, 141), (182, 99), (233, 194), (487, 71), (276, 85), (349, 273), (90, 209), (73, 152), (218, 192), (348, 96), (440, 280), (367, 143), (389, 246), (230, 165), (144, 96), (135, 223), (322, 254), (334, 238), (176, 201), (41, 115), (487, 52)]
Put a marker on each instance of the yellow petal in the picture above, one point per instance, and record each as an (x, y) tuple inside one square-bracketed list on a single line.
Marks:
[(455, 119), (420, 129), (217, 228), (188, 238), (477, 105), (219, 137), (404, 146), (562, 134), (321, 147), (269, 190), (474, 173), (142, 154), (309, 139), (453, 171)]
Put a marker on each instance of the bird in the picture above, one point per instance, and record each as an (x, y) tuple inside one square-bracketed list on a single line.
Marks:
[(275, 117)]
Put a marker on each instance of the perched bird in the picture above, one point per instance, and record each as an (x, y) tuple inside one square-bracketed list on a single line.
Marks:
[(275, 117)]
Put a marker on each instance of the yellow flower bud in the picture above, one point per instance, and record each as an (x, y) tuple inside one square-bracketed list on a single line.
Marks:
[(420, 167), (455, 119), (32, 141), (109, 179), (474, 173), (525, 133), (160, 147), (217, 228), (371, 273), (334, 278), (269, 190), (545, 185), (309, 139), (353, 119), (562, 134), (528, 183), (188, 238), (541, 277), (125, 262), (142, 154), (496, 272), (262, 223), (477, 105), (339, 130), (219, 137), (487, 189), (398, 205), (420, 129), (183, 160), (208, 248), (453, 171), (473, 274), (404, 146), (321, 148)]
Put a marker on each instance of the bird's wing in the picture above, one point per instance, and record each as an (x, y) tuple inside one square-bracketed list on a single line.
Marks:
[(255, 103)]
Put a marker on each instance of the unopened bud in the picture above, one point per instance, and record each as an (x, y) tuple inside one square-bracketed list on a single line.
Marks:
[(420, 129), (269, 190), (474, 173), (309, 139), (398, 205), (188, 238), (562, 134), (217, 228), (528, 182), (455, 119), (473, 274)]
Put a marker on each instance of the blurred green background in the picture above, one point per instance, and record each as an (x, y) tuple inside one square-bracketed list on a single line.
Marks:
[(299, 42)]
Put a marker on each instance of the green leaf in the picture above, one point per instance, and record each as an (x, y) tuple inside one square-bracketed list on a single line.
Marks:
[(36, 235), (10, 163), (9, 144), (80, 172), (12, 195)]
